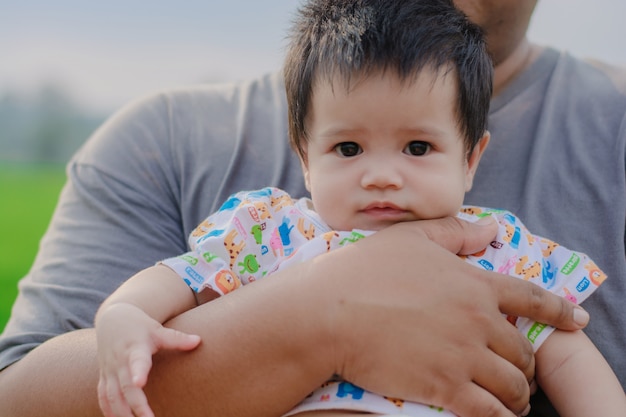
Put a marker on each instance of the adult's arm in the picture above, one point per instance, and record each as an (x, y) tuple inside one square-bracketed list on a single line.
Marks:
[(135, 191), (428, 330)]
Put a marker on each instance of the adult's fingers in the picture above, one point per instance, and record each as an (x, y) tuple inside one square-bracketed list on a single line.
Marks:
[(456, 235), (473, 400), (515, 394), (508, 343), (522, 298)]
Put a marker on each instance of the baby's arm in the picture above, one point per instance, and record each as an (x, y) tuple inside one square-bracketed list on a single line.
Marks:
[(576, 377), (129, 331)]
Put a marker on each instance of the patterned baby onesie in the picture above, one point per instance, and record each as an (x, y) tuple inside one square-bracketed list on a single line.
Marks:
[(256, 233)]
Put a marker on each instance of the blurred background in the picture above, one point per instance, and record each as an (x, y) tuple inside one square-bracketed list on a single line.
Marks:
[(66, 65)]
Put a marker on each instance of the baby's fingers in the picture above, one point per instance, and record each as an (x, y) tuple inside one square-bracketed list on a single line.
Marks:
[(103, 400), (111, 399), (133, 395), (140, 357), (166, 338), (139, 363)]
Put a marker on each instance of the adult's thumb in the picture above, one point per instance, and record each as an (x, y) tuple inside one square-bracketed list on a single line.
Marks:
[(459, 236)]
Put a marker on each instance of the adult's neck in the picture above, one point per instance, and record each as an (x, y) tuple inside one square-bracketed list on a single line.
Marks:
[(509, 68)]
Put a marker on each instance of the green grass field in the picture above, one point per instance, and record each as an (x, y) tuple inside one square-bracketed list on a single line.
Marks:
[(29, 195)]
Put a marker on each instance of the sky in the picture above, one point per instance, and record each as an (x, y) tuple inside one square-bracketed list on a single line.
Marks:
[(108, 53)]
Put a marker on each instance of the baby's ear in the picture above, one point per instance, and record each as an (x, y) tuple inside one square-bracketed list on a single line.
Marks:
[(307, 180), (474, 159), (305, 171)]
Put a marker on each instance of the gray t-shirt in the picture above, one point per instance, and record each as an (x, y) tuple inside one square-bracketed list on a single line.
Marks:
[(157, 168), (557, 159)]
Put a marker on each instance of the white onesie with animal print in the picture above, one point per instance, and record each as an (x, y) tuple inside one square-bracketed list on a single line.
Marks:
[(256, 233)]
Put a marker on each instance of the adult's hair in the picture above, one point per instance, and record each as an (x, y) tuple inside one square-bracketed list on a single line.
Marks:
[(346, 39)]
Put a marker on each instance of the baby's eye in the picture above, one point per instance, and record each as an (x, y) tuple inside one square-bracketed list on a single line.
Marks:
[(348, 149), (417, 148)]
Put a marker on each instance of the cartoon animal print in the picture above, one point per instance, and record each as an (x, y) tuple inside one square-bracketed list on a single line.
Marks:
[(249, 264), (354, 236), (308, 233), (226, 281), (395, 401), (191, 260), (233, 249), (202, 228), (508, 265), (263, 210), (595, 274), (548, 273), (230, 204), (527, 272), (437, 409), (323, 397), (284, 231), (279, 203), (210, 234), (276, 243), (328, 237), (208, 256), (257, 232), (569, 296), (472, 210), (512, 235), (259, 194), (548, 247), (345, 388)]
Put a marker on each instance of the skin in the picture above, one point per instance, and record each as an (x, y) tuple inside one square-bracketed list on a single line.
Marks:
[(313, 320), (568, 363), (504, 24), (409, 159)]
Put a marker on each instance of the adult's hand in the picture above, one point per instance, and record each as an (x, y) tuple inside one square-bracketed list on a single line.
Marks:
[(413, 321)]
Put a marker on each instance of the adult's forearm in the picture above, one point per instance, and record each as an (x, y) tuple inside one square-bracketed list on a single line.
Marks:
[(57, 378), (262, 352), (250, 350)]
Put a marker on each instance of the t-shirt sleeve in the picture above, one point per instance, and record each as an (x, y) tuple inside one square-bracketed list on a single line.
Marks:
[(110, 222), (137, 188)]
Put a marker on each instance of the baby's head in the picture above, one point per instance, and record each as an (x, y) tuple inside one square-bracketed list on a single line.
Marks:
[(420, 66)]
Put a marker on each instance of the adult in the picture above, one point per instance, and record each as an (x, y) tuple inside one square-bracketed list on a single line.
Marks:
[(152, 172)]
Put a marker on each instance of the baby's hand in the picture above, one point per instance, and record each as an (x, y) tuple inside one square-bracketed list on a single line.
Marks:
[(127, 338)]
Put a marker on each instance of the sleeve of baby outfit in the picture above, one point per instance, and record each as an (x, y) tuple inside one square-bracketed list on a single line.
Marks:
[(519, 253), (320, 244), (225, 249)]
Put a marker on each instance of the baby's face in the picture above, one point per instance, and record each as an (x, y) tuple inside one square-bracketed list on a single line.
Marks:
[(386, 151)]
